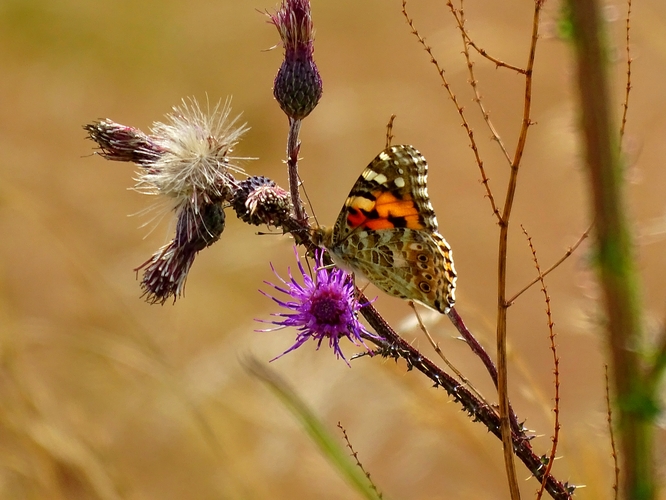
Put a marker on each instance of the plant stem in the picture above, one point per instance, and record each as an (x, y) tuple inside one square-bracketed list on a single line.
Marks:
[(615, 264)]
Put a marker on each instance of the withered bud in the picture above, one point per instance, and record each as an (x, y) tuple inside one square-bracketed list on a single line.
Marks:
[(122, 143), (166, 271), (258, 200)]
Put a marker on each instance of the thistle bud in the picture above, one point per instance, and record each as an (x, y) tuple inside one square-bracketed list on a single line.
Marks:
[(259, 200), (297, 87), (122, 143)]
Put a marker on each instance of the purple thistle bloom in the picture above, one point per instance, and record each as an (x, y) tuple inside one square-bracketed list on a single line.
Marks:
[(323, 307)]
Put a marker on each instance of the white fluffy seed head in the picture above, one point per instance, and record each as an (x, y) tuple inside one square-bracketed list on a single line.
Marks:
[(197, 161)]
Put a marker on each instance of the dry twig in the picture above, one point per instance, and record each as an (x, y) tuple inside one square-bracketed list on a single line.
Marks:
[(609, 418), (556, 365)]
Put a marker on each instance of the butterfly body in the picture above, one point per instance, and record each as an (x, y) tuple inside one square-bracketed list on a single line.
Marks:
[(387, 232)]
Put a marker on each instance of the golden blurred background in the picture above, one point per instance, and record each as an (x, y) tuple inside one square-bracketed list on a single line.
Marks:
[(103, 396)]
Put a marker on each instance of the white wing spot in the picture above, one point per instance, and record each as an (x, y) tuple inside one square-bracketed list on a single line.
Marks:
[(369, 174), (384, 157), (399, 182), (380, 179)]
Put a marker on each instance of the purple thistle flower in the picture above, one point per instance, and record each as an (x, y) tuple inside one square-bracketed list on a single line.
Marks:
[(323, 307)]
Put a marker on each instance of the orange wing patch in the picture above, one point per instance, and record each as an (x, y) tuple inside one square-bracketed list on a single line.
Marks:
[(386, 212)]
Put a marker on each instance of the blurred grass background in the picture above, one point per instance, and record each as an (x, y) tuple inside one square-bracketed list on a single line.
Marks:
[(106, 397)]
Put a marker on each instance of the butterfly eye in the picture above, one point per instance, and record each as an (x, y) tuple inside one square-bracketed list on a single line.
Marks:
[(424, 287)]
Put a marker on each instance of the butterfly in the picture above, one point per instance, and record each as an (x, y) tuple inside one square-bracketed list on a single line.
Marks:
[(387, 232)]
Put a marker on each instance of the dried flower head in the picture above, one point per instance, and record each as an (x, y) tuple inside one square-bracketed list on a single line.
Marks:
[(297, 87), (121, 143), (197, 163), (323, 307), (166, 271), (259, 200)]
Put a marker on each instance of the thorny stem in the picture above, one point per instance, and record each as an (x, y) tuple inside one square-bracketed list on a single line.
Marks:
[(566, 255), (389, 131), (482, 354), (440, 353), (556, 365), (637, 405), (609, 419), (502, 305), (470, 133), (459, 16), (293, 148), (354, 454), (393, 345), (625, 104)]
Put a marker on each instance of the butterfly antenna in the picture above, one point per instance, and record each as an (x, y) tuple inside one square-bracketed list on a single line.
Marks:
[(389, 131), (307, 198), (435, 346)]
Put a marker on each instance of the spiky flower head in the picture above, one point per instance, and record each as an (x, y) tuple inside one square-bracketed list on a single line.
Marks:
[(324, 307), (197, 163), (122, 143), (297, 87), (166, 271), (259, 200)]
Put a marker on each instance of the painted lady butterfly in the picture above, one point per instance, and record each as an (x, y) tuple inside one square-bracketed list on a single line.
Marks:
[(387, 232)]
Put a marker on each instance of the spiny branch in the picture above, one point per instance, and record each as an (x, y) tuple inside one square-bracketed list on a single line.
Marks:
[(609, 418), (556, 364), (459, 16), (567, 254), (625, 104)]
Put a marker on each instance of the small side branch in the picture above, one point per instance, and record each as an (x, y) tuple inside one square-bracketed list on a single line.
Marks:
[(556, 365), (567, 254), (358, 462), (389, 131), (609, 418), (459, 16), (625, 104)]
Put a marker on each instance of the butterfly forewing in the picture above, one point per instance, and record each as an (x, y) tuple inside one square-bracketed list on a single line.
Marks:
[(387, 231)]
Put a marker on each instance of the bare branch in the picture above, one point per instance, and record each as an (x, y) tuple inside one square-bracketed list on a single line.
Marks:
[(609, 414), (459, 16), (389, 131), (567, 254), (556, 365), (625, 104)]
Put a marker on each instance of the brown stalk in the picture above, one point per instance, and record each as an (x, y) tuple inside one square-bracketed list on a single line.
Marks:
[(502, 304), (556, 366), (389, 131), (293, 148)]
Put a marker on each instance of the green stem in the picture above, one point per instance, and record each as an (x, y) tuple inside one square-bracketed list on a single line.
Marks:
[(616, 267)]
